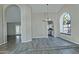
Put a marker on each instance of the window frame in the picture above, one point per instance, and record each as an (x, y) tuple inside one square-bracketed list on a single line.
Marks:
[(69, 28)]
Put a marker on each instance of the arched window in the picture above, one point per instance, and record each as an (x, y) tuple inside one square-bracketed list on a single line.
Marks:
[(65, 23)]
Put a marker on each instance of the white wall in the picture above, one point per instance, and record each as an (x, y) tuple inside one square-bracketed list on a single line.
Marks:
[(26, 35), (13, 14), (39, 27), (1, 24), (74, 10)]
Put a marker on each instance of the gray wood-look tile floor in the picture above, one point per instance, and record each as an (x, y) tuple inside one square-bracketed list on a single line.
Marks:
[(49, 45)]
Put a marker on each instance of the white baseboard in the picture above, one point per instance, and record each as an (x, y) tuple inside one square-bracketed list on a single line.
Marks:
[(40, 37), (26, 41), (3, 43), (70, 40)]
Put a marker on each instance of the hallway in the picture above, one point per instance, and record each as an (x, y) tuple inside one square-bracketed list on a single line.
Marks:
[(40, 46)]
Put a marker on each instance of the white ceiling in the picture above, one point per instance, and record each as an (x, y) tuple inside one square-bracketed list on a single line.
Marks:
[(43, 7)]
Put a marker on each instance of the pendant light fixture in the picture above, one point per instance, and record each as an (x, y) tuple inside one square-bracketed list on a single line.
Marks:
[(47, 14), (48, 19)]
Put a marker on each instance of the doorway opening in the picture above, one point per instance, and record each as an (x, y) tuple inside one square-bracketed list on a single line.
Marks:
[(13, 18)]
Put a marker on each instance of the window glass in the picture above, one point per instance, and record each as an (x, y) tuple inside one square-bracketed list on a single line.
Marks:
[(18, 29), (65, 23)]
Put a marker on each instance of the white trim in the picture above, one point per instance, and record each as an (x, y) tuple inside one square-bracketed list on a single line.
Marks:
[(3, 43), (26, 41), (40, 37), (70, 40)]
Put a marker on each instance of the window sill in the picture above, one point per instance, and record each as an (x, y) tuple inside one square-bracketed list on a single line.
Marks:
[(66, 33)]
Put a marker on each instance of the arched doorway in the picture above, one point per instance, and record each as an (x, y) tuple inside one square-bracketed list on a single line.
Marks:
[(13, 22)]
